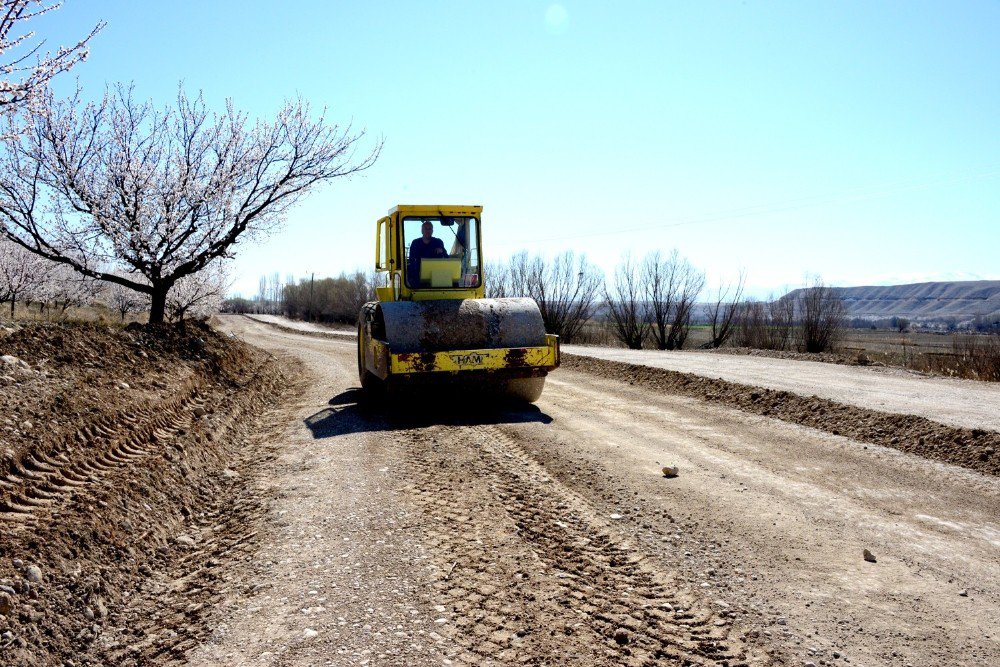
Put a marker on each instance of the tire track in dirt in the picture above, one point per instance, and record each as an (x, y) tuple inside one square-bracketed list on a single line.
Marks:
[(39, 480), (530, 572), (171, 614), (137, 508)]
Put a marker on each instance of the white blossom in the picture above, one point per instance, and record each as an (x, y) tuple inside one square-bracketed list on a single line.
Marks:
[(26, 68), (26, 277), (199, 294), (124, 300), (64, 288), (160, 193), (22, 274)]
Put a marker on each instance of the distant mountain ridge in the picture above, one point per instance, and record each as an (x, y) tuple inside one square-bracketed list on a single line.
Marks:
[(962, 300)]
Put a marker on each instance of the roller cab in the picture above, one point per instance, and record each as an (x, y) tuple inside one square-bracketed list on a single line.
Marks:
[(433, 326)]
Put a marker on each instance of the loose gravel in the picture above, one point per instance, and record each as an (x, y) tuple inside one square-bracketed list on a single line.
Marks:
[(971, 448)]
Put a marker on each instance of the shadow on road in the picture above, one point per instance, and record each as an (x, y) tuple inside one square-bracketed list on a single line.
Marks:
[(351, 412)]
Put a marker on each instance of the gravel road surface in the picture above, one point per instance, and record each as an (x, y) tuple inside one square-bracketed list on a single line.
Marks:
[(308, 327), (548, 535), (950, 401)]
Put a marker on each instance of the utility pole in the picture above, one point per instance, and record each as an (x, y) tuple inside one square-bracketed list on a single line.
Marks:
[(312, 282)]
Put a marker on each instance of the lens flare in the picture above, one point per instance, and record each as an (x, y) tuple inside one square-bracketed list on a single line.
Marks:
[(556, 19)]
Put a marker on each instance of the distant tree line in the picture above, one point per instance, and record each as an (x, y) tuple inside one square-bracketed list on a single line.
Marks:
[(652, 302), (331, 300), (328, 299), (655, 301), (978, 323), (648, 300)]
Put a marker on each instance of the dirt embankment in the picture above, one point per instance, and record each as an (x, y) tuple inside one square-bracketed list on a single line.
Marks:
[(976, 449), (121, 465)]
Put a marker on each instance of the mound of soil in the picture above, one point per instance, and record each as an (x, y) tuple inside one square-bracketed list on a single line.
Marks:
[(826, 357), (120, 457), (976, 449)]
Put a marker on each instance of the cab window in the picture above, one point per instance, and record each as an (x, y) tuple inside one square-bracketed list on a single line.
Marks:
[(441, 252)]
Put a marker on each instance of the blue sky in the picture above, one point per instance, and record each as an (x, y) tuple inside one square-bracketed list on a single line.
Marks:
[(857, 141)]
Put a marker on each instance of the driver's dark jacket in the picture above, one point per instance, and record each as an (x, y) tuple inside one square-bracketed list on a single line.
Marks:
[(419, 250)]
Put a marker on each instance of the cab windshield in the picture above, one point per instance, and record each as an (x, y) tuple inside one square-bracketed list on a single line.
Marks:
[(441, 252)]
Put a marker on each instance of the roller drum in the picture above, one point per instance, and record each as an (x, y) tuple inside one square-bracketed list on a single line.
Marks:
[(467, 324)]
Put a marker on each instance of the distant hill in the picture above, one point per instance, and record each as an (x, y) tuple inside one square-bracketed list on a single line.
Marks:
[(923, 301)]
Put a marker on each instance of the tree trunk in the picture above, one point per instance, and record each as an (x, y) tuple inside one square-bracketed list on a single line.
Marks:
[(158, 305)]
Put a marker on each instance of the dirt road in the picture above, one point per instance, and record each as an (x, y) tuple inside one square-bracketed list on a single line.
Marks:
[(547, 535), (950, 401), (305, 327)]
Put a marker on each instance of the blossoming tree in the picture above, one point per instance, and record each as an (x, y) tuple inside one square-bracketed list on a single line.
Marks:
[(123, 300), (25, 68), (119, 186), (64, 288), (22, 274), (200, 294)]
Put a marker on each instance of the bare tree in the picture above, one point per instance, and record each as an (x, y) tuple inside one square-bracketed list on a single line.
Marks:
[(330, 299), (355, 291), (672, 287), (269, 293), (274, 293), (821, 315), (497, 277), (979, 355), (289, 281), (661, 292), (625, 303), (27, 69), (262, 295), (565, 289), (526, 273), (160, 193), (723, 311), (765, 325), (751, 324), (782, 324)]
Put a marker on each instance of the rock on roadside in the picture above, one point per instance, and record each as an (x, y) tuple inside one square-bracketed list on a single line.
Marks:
[(6, 604), (11, 360)]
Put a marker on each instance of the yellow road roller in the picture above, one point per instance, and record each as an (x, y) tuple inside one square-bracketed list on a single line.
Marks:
[(433, 327)]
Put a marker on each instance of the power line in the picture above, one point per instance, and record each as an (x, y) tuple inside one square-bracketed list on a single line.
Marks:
[(851, 195)]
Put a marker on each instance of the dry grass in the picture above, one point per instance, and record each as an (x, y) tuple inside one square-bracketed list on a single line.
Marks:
[(92, 313), (963, 355), (972, 356)]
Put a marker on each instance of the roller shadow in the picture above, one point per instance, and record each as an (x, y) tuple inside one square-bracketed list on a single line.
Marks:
[(352, 412)]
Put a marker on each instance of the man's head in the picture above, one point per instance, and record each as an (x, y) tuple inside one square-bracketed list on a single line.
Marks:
[(427, 229)]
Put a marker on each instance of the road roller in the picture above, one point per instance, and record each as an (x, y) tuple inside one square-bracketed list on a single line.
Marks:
[(432, 326)]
